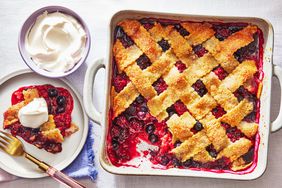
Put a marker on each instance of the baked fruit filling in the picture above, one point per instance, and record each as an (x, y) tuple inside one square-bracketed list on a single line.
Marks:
[(190, 90), (24, 110)]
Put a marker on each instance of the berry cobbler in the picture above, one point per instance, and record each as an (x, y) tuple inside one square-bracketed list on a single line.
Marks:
[(189, 90), (41, 115)]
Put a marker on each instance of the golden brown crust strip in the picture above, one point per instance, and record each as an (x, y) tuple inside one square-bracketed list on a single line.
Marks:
[(236, 115), (223, 51), (142, 38), (199, 32), (11, 115), (237, 40), (216, 134), (158, 32), (140, 81), (123, 99), (230, 64), (223, 96), (125, 56), (191, 146), (180, 84), (180, 126), (160, 67), (212, 45), (236, 149), (240, 164), (200, 68), (249, 129), (241, 74), (179, 44), (161, 102), (202, 107), (143, 80), (190, 97), (203, 157)]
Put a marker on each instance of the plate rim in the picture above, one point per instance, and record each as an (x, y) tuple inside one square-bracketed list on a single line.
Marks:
[(34, 175)]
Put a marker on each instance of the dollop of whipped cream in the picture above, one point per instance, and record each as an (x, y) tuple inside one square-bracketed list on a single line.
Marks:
[(55, 42), (34, 114)]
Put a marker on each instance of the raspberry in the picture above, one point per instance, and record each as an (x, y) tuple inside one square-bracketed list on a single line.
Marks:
[(199, 50), (180, 108), (220, 72), (122, 121), (218, 111), (143, 62), (120, 81), (200, 88), (180, 66), (160, 86), (136, 125)]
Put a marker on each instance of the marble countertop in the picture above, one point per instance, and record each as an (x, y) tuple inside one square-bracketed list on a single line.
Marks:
[(97, 15)]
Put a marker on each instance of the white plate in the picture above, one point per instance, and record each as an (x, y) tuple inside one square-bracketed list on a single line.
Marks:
[(72, 146)]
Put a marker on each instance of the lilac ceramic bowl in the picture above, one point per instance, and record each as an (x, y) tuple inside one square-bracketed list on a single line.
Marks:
[(27, 25)]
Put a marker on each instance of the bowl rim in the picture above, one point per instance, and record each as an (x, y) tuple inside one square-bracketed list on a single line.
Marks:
[(28, 24)]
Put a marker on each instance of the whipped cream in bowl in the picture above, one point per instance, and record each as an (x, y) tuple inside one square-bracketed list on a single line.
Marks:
[(54, 41)]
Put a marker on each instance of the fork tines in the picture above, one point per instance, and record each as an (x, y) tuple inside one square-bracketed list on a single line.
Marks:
[(6, 139)]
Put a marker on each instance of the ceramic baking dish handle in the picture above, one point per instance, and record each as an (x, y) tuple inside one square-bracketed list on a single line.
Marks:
[(277, 123), (90, 75)]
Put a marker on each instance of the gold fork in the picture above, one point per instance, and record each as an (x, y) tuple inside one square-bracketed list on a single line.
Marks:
[(14, 147)]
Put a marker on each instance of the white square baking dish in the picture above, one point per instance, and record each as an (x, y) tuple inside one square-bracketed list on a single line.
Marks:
[(265, 126)]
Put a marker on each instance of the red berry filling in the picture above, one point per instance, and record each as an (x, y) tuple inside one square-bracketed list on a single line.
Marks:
[(60, 105), (128, 128), (180, 108), (160, 85), (248, 52), (170, 110), (143, 62), (222, 31), (232, 132), (252, 117), (33, 136), (181, 30), (212, 151), (220, 72), (248, 157), (222, 34), (164, 45), (220, 164), (180, 66), (218, 111), (197, 127), (242, 93), (120, 81), (199, 50), (147, 23), (121, 35), (200, 88)]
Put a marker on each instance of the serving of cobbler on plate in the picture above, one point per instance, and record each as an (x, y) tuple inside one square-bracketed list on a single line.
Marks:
[(41, 115), (189, 89)]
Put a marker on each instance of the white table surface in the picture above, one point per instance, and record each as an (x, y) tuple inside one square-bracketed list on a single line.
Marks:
[(97, 15)]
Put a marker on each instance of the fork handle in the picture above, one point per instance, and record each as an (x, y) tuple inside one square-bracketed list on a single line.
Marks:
[(54, 173), (63, 178)]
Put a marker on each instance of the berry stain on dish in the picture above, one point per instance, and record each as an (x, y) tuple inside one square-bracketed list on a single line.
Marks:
[(41, 115), (188, 122)]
